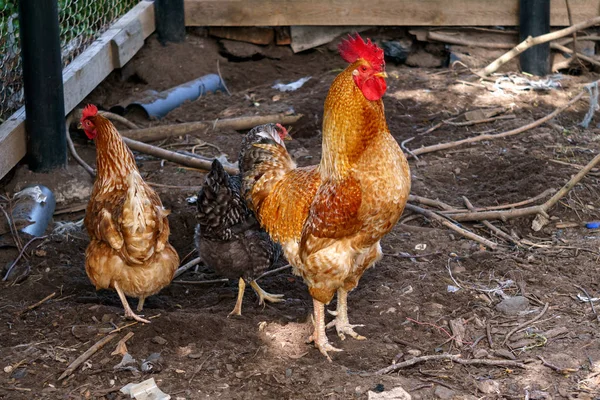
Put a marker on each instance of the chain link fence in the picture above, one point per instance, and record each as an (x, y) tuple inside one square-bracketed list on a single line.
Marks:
[(81, 22)]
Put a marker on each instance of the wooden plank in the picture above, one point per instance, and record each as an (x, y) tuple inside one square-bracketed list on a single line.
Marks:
[(373, 13), (13, 144), (111, 50)]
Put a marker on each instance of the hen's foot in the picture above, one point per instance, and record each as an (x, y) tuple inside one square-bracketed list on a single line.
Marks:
[(262, 295), (128, 311), (319, 338), (237, 310), (341, 322), (131, 315)]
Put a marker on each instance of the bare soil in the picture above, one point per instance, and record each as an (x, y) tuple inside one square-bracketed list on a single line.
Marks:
[(404, 303)]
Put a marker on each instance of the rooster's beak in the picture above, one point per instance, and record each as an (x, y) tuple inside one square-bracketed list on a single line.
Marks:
[(381, 74), (79, 126)]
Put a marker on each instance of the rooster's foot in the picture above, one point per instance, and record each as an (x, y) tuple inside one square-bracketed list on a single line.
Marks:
[(131, 315), (322, 343), (343, 327)]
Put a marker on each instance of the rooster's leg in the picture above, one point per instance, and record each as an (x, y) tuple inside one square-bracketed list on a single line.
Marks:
[(341, 323), (319, 337), (262, 295), (128, 311), (237, 310), (140, 306)]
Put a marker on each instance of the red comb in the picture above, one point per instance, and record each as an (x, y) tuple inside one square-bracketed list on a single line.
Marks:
[(353, 48), (89, 111)]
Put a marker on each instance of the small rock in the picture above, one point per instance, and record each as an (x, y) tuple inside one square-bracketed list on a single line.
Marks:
[(8, 369), (19, 373), (505, 354), (397, 393), (84, 332), (423, 59), (107, 317), (239, 374), (513, 305), (159, 340), (229, 368), (288, 373), (443, 393), (488, 386), (480, 353), (195, 356), (414, 352)]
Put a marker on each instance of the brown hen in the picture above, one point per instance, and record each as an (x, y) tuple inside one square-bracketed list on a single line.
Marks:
[(129, 249)]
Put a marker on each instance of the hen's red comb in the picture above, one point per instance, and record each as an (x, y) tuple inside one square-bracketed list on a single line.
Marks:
[(353, 48), (89, 111)]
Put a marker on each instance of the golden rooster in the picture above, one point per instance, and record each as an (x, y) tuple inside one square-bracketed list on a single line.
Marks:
[(129, 249), (330, 217)]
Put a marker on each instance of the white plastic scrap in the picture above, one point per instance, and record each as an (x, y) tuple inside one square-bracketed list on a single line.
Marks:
[(586, 299), (516, 83), (65, 227), (290, 87), (452, 289), (146, 390), (34, 192), (592, 89)]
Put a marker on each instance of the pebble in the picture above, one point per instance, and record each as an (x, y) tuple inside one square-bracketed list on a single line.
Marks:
[(443, 393), (159, 340), (480, 353), (488, 386), (513, 305), (397, 393)]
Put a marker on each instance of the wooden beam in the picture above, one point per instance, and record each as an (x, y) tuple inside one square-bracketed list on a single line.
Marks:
[(111, 50), (373, 12)]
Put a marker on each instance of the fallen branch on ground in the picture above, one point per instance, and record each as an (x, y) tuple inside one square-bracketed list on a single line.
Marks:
[(39, 303), (499, 232), (187, 266), (85, 356), (444, 146), (444, 221), (525, 324), (581, 56), (237, 124), (530, 42), (178, 158), (457, 358), (545, 193), (521, 212), (558, 369)]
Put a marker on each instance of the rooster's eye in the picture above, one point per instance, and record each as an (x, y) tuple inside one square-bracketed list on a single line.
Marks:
[(363, 68)]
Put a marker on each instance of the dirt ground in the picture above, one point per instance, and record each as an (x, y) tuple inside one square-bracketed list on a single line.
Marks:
[(406, 304)]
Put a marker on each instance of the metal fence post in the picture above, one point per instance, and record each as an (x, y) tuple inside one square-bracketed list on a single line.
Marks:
[(534, 20), (43, 84), (170, 20)]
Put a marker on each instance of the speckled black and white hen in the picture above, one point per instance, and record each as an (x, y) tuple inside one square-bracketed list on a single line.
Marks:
[(228, 236)]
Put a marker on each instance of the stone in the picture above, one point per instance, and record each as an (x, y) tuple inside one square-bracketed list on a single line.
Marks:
[(513, 305)]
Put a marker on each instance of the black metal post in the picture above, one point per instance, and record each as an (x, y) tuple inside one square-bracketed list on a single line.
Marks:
[(42, 80), (170, 20), (534, 20)]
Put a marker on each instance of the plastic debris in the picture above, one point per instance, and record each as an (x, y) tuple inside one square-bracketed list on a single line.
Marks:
[(586, 299), (592, 225), (34, 204), (452, 289), (152, 364), (592, 89), (290, 87), (128, 363), (518, 83), (421, 246), (146, 390)]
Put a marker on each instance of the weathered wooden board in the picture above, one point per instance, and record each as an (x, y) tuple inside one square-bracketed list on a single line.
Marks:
[(373, 12)]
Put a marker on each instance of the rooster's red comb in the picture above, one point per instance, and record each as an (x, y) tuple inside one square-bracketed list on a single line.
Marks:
[(353, 48), (89, 111)]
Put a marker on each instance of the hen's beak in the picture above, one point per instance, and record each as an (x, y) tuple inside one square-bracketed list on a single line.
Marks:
[(381, 74)]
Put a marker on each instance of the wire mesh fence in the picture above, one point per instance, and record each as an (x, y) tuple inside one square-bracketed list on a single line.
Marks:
[(81, 22)]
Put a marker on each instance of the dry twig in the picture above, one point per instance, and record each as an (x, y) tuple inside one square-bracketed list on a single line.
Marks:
[(444, 146), (523, 325), (187, 266), (581, 56), (589, 299), (85, 356), (21, 255), (440, 37), (560, 370), (451, 357), (530, 42), (499, 232), (444, 221), (39, 303)]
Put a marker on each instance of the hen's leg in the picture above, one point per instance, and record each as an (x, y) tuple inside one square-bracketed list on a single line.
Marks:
[(319, 337), (262, 295), (140, 306), (237, 310), (128, 312), (341, 323)]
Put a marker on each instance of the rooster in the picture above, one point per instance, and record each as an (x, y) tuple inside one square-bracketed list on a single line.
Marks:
[(229, 238), (330, 217), (129, 249)]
